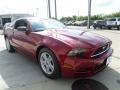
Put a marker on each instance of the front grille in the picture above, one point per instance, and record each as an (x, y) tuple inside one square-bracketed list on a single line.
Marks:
[(101, 50)]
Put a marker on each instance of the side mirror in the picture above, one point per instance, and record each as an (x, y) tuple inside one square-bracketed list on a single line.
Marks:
[(22, 28)]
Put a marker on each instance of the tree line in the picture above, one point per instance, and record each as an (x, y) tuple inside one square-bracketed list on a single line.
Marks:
[(94, 17)]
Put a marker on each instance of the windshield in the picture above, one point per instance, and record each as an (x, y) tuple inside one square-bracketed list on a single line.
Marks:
[(39, 25)]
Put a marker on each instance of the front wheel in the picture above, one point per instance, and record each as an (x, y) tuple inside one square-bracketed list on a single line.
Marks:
[(48, 63), (9, 46)]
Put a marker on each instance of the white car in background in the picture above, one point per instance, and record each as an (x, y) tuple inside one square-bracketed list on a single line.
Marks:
[(113, 23)]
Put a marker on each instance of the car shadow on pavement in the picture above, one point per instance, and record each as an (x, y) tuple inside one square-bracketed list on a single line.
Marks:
[(88, 84), (18, 71)]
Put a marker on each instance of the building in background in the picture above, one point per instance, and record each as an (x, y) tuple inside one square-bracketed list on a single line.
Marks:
[(6, 18)]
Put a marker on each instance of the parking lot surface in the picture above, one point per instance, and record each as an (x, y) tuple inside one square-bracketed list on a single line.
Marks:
[(18, 72)]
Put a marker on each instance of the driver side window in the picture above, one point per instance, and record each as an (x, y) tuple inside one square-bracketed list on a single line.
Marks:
[(20, 23)]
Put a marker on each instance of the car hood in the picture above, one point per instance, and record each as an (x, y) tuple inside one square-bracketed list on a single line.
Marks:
[(77, 38)]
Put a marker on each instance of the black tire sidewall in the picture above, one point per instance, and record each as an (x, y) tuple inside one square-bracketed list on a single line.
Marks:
[(56, 72)]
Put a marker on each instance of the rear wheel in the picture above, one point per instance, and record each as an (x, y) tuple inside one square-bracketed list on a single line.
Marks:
[(48, 63), (9, 46)]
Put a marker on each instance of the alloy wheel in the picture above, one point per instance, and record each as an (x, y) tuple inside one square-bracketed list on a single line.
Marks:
[(47, 63)]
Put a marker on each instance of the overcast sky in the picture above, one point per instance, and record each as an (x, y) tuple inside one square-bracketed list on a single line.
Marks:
[(64, 7)]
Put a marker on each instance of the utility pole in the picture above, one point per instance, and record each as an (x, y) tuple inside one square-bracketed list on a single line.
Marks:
[(37, 10), (49, 8), (89, 13), (78, 13), (55, 9)]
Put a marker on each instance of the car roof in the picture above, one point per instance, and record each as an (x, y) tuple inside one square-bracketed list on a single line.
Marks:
[(34, 18)]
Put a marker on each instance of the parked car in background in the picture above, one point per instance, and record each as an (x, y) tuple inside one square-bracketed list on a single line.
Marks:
[(99, 24), (82, 23), (69, 23), (113, 23), (59, 51), (77, 23)]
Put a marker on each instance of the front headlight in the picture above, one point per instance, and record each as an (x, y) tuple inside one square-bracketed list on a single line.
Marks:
[(77, 52)]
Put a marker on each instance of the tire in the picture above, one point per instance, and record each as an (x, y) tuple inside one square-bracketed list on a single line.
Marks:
[(118, 28), (50, 68), (109, 28), (9, 46), (101, 27), (94, 27)]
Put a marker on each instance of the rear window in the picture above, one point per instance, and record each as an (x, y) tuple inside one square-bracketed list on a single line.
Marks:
[(112, 20)]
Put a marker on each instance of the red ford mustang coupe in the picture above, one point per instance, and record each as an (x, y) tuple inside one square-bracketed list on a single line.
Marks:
[(58, 50)]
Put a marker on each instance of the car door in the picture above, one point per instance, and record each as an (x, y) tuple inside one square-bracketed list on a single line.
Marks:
[(23, 39)]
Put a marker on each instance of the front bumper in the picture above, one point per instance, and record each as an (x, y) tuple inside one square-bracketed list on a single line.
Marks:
[(75, 67)]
